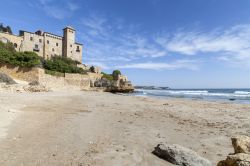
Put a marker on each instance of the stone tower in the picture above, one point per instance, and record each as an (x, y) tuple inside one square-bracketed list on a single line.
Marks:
[(69, 42)]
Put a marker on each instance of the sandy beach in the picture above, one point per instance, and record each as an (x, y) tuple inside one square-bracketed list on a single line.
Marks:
[(94, 128)]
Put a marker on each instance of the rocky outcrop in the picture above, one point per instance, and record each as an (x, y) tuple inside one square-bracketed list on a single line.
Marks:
[(115, 86), (241, 156), (120, 86), (179, 155), (241, 144), (4, 78)]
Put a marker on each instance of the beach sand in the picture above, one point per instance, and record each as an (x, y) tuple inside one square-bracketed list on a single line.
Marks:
[(95, 128)]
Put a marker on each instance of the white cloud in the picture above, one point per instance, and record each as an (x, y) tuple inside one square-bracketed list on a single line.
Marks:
[(57, 10), (232, 44), (179, 64), (109, 41)]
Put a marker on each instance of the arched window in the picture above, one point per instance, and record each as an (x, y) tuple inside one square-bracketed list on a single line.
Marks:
[(15, 45)]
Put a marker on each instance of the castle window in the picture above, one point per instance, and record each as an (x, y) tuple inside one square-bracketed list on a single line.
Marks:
[(57, 44), (53, 49), (36, 48), (40, 40), (31, 38), (78, 49), (47, 42), (15, 45), (70, 45)]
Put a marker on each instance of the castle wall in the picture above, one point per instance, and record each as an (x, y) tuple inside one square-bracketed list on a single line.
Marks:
[(52, 45), (16, 40), (33, 42), (70, 48), (47, 45)]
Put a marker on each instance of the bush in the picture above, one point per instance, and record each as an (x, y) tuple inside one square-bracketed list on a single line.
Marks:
[(63, 65), (116, 73), (24, 59), (92, 69), (107, 76), (54, 73), (5, 29)]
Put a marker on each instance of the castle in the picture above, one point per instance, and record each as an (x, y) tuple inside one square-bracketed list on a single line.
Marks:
[(46, 44)]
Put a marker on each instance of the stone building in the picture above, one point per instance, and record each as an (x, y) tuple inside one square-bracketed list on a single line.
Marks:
[(46, 44)]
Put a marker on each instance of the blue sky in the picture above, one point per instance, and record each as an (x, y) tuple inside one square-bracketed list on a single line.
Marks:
[(176, 43)]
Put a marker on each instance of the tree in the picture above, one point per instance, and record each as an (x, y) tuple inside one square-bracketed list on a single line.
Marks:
[(116, 72), (5, 29), (1, 27), (92, 69), (8, 29)]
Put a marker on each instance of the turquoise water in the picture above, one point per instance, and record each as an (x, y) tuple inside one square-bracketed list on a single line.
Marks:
[(229, 95)]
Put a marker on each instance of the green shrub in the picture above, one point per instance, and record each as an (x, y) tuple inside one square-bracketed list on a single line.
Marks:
[(92, 69), (5, 29), (63, 65), (116, 73), (107, 76), (54, 73), (24, 59)]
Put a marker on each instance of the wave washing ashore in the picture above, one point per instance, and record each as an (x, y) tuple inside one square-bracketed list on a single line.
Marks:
[(232, 95)]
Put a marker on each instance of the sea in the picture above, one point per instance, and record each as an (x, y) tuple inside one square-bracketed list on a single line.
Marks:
[(223, 95)]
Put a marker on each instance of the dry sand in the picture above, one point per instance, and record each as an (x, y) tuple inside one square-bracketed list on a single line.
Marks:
[(95, 128)]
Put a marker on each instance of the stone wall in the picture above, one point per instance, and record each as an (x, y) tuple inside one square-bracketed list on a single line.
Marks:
[(68, 82), (20, 73), (94, 77)]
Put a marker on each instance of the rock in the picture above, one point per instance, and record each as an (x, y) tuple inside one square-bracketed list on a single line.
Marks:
[(33, 83), (179, 155), (241, 144), (6, 79), (36, 88), (103, 82), (240, 159), (114, 86)]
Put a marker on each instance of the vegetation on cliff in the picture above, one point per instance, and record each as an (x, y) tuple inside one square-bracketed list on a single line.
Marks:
[(24, 59), (63, 65), (112, 76), (9, 55)]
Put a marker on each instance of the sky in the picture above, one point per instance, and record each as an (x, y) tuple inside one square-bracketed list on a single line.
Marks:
[(174, 43)]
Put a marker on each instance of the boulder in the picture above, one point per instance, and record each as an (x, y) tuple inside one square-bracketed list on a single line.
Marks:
[(179, 155), (6, 79), (240, 159), (241, 144)]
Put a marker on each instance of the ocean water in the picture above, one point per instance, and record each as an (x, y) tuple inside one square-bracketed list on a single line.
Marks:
[(225, 95)]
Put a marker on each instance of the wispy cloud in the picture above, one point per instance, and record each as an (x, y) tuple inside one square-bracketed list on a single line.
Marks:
[(113, 43), (59, 11), (231, 45), (179, 64), (117, 43)]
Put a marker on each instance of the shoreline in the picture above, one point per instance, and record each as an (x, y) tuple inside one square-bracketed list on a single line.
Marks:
[(234, 95), (99, 128)]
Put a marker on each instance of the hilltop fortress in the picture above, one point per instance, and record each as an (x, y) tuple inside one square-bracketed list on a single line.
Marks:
[(46, 44)]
